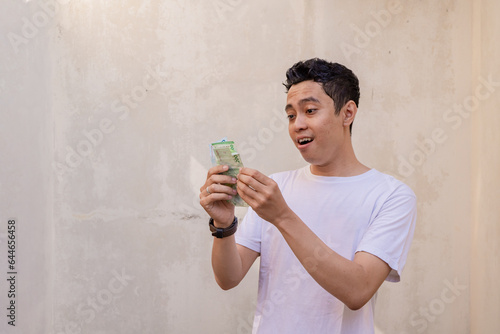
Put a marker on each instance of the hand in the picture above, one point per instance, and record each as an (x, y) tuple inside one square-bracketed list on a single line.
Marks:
[(262, 194), (214, 196)]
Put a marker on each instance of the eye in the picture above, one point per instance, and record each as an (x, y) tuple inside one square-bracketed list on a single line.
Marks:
[(290, 117), (310, 111)]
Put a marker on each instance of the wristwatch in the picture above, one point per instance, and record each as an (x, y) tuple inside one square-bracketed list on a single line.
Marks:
[(219, 232)]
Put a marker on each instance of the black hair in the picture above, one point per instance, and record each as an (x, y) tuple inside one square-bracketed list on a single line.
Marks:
[(338, 82)]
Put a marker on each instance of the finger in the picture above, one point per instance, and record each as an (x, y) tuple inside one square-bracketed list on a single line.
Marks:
[(217, 170), (248, 194), (255, 174), (251, 182), (220, 189), (217, 178), (207, 200)]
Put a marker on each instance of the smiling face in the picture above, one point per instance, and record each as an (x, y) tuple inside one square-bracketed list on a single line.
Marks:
[(321, 137)]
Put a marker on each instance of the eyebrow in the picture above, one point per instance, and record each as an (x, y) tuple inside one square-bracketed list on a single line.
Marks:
[(303, 101)]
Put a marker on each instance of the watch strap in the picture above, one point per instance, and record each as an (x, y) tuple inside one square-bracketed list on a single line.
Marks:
[(220, 232)]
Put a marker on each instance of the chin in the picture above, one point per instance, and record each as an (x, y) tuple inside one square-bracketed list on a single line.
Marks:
[(312, 160)]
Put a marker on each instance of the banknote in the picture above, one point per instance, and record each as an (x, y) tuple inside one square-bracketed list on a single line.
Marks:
[(224, 153)]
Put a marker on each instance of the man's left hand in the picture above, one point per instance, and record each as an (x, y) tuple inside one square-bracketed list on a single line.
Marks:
[(262, 194)]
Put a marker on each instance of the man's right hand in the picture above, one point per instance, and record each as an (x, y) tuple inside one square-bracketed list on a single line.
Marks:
[(214, 196)]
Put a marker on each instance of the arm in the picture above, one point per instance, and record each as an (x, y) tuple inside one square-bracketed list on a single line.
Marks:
[(230, 262), (353, 282)]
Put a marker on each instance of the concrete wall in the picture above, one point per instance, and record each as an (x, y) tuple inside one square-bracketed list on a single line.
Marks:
[(107, 110)]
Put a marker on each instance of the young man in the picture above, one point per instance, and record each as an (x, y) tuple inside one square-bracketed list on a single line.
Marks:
[(328, 234)]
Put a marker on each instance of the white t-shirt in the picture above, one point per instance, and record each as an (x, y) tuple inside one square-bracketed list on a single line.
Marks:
[(371, 212)]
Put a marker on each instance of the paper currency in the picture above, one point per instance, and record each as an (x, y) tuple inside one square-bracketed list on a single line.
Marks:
[(224, 153)]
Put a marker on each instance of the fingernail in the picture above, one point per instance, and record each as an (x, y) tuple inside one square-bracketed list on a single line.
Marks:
[(234, 191)]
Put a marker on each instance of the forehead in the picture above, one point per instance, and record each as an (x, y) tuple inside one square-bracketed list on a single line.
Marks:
[(306, 89)]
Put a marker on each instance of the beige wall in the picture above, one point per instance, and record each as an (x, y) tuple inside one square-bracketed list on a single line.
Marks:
[(107, 110), (485, 230)]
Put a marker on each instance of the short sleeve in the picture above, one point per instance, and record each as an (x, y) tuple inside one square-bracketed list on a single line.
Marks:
[(390, 234), (249, 231)]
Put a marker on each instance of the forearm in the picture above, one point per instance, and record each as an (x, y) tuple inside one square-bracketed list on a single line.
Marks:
[(343, 278), (226, 262)]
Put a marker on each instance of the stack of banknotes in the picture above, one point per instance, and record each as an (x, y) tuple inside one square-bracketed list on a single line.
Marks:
[(224, 153)]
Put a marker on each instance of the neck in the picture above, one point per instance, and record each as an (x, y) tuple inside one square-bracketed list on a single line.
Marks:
[(343, 164)]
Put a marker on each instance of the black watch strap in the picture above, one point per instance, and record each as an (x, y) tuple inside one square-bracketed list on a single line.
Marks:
[(219, 232)]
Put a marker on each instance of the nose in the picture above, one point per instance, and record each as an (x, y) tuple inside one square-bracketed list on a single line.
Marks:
[(300, 123)]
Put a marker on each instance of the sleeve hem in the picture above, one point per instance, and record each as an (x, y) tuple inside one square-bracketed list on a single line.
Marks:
[(255, 246), (395, 274)]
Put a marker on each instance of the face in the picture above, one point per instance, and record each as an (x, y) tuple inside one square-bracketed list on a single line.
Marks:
[(320, 136)]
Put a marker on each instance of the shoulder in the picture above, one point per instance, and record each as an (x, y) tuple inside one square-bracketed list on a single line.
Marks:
[(392, 185)]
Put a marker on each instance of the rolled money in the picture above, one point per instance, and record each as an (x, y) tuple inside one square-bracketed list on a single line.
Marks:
[(224, 153)]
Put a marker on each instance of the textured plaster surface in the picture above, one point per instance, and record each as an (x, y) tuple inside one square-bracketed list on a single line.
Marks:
[(108, 108)]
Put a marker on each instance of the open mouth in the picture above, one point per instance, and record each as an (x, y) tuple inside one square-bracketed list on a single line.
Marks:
[(304, 141)]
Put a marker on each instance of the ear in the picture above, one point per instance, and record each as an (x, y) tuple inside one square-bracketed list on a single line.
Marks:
[(349, 112)]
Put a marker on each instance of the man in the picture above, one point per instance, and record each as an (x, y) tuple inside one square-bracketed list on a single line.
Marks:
[(328, 234)]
